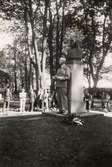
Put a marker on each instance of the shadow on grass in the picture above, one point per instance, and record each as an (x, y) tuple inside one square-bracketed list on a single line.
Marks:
[(51, 142)]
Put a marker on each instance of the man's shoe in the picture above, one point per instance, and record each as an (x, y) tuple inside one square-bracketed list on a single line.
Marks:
[(65, 113), (61, 112)]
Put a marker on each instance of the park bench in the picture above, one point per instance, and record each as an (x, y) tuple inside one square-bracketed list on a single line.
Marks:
[(97, 103)]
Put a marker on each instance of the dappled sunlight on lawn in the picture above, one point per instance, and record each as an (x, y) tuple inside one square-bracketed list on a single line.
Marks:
[(109, 114), (105, 113)]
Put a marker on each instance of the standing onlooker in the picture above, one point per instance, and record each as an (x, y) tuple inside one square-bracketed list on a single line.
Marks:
[(7, 97), (87, 99), (107, 102), (22, 97), (62, 77), (103, 100), (32, 99), (45, 100)]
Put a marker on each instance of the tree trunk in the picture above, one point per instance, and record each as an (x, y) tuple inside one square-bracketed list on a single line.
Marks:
[(28, 47), (37, 62), (26, 75), (15, 81), (62, 28), (35, 49), (44, 44), (15, 70), (57, 37), (95, 81), (50, 45)]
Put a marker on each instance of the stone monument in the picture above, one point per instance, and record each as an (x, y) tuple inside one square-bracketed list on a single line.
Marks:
[(75, 86)]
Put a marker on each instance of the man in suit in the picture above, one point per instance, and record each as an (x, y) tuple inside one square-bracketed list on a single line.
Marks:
[(62, 76)]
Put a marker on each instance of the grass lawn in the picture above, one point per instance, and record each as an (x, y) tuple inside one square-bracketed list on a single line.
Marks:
[(45, 141)]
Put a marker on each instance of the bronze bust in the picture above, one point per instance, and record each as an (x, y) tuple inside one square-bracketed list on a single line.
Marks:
[(74, 52)]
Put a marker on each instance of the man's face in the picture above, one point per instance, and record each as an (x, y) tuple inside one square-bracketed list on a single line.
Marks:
[(61, 61), (23, 90)]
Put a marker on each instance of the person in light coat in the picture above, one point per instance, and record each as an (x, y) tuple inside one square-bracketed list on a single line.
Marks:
[(22, 97), (7, 97)]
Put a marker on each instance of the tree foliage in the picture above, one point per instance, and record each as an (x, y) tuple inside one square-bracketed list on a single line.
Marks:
[(46, 27)]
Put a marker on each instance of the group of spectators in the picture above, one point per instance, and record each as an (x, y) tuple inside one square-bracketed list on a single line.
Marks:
[(58, 99), (29, 100)]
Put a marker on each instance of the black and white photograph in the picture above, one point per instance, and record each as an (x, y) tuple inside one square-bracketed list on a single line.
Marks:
[(55, 83)]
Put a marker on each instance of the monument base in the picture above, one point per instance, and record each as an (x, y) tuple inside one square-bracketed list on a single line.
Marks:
[(76, 87)]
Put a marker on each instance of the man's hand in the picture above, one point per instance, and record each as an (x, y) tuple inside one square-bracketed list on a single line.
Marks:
[(60, 78), (54, 77)]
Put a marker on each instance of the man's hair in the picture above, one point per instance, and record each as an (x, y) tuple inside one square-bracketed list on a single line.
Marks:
[(74, 44)]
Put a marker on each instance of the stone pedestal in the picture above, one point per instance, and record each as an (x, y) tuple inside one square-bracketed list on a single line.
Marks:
[(76, 83)]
